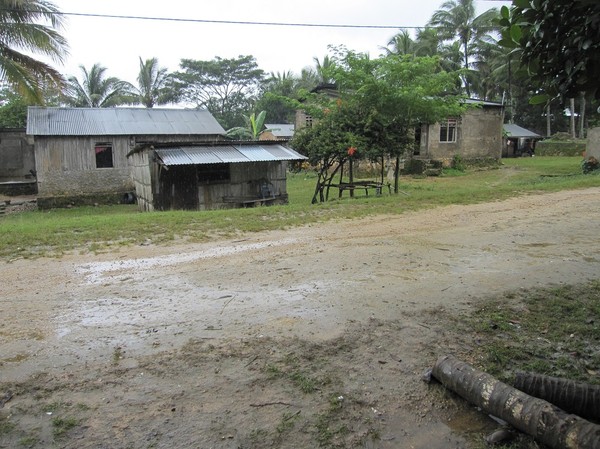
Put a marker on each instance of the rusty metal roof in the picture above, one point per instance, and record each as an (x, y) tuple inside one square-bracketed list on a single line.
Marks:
[(198, 155), (120, 121)]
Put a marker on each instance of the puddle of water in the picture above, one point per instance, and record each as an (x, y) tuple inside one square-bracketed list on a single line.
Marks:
[(96, 272)]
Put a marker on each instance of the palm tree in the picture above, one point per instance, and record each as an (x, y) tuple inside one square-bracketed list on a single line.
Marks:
[(152, 84), (30, 26), (322, 69), (400, 44), (456, 19), (97, 91), (428, 42)]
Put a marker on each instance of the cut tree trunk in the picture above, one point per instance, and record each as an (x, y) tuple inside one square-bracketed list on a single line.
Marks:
[(574, 397), (542, 420)]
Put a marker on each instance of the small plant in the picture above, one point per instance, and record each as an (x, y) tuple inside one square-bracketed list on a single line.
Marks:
[(28, 441), (6, 427), (62, 425), (117, 355), (302, 381), (590, 165), (458, 163), (287, 422)]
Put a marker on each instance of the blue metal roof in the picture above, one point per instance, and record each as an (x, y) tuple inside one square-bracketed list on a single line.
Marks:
[(198, 155), (120, 121)]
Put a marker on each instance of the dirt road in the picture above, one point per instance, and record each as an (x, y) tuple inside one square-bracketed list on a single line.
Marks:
[(314, 335)]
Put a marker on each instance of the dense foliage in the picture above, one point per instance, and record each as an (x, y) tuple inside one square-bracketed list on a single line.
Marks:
[(26, 27), (228, 88), (558, 42)]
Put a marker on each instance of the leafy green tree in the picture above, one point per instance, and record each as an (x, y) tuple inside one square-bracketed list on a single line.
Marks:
[(273, 98), (13, 109), (558, 43), (153, 84), (96, 90), (381, 103), (30, 26), (226, 87)]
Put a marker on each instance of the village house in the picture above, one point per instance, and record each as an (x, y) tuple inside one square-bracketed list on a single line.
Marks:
[(518, 141), (277, 131), (164, 158), (474, 136), (81, 153), (211, 176)]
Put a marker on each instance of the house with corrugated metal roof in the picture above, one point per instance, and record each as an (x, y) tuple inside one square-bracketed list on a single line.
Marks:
[(277, 131), (81, 153), (519, 141), (166, 158), (211, 176)]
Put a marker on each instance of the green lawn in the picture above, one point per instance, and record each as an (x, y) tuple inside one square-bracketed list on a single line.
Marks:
[(54, 232)]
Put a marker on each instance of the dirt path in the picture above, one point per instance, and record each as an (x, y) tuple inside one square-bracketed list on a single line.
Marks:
[(308, 336)]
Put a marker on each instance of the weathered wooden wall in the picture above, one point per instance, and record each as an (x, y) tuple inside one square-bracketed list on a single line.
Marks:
[(66, 165)]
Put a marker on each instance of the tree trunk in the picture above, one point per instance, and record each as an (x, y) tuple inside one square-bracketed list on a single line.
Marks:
[(548, 121), (582, 117), (396, 174), (574, 397), (545, 422), (572, 108)]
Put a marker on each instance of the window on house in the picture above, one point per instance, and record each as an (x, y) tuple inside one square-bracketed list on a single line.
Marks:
[(448, 130), (104, 155), (213, 172), (308, 121)]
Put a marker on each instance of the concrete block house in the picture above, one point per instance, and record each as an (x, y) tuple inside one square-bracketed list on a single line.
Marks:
[(474, 136)]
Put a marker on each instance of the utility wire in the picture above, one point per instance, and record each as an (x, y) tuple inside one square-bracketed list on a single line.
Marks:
[(234, 22)]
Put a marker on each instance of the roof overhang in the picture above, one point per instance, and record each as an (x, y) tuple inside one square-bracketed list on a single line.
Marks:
[(201, 155)]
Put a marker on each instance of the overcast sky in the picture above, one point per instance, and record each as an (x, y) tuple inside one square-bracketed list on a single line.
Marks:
[(118, 43)]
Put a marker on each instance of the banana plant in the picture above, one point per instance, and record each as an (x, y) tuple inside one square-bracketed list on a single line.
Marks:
[(253, 128)]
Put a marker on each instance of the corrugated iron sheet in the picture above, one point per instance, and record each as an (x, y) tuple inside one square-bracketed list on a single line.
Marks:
[(120, 121), (226, 154)]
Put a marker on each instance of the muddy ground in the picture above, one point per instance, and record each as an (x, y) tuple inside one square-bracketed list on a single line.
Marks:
[(313, 336)]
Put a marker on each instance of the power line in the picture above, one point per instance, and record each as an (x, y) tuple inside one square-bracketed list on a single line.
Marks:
[(235, 22)]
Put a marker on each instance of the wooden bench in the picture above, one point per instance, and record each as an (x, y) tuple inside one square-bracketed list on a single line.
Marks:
[(249, 201), (362, 185)]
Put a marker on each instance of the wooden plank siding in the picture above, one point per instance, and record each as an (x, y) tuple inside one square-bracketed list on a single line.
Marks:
[(66, 165)]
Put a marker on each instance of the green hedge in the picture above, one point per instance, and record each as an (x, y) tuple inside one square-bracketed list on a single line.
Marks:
[(560, 148)]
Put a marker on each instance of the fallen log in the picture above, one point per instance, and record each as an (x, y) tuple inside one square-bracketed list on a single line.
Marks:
[(579, 398), (542, 420)]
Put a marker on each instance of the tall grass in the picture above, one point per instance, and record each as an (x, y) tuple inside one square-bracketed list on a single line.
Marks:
[(54, 232)]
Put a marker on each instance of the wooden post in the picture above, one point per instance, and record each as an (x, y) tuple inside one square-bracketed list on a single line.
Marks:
[(545, 422)]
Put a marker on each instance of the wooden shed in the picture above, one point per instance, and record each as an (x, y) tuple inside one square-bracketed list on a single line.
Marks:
[(206, 176), (81, 153), (17, 163)]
